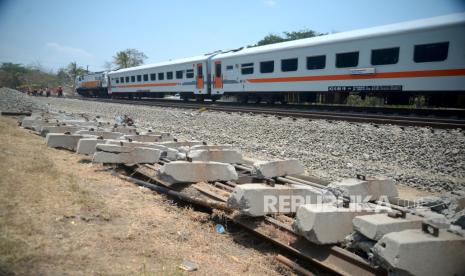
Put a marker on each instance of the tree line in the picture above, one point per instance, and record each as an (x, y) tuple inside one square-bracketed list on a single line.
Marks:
[(19, 76)]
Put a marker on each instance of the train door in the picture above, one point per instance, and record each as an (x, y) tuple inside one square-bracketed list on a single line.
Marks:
[(200, 83), (218, 82)]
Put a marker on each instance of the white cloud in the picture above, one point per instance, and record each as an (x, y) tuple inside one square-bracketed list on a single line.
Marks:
[(68, 50), (270, 3)]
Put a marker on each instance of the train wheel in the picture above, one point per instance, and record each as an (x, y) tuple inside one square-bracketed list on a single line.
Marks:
[(243, 99)]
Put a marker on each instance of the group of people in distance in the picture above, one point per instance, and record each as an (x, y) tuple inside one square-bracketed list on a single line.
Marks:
[(47, 92)]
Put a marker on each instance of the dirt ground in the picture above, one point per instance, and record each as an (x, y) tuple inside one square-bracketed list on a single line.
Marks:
[(60, 215)]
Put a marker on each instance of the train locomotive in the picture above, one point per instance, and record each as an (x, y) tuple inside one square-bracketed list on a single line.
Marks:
[(397, 63), (93, 85)]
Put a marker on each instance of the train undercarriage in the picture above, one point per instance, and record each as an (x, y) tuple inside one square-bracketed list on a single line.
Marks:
[(450, 99)]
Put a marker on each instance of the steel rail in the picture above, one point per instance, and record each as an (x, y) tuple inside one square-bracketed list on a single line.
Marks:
[(359, 117), (326, 257)]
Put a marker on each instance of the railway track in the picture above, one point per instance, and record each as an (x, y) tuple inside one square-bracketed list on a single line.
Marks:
[(392, 116), (325, 259)]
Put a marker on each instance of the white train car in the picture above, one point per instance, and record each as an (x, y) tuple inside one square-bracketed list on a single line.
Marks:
[(92, 84), (188, 77), (396, 61)]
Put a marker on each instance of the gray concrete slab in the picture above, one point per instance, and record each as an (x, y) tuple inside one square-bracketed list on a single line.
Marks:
[(36, 124), (58, 129), (144, 138), (377, 225), (257, 200), (373, 187), (168, 153), (413, 252), (125, 129), (328, 223), (197, 171), (66, 141), (88, 145), (179, 144), (225, 156), (211, 147), (125, 155), (103, 134), (268, 169)]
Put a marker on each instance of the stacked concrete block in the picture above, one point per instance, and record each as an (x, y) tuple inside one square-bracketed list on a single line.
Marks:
[(257, 200), (144, 138), (225, 156), (377, 225), (36, 124), (414, 252), (58, 129), (180, 144), (65, 141), (375, 188), (127, 130), (198, 171), (165, 136), (88, 145), (168, 153), (125, 155), (328, 223), (269, 169), (211, 147), (103, 134)]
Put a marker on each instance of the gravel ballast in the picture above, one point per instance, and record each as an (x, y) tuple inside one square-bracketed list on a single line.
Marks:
[(424, 158), (14, 101)]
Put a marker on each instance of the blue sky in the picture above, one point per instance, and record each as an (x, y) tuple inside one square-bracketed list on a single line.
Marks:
[(53, 33)]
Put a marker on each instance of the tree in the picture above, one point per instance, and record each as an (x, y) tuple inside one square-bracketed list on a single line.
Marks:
[(12, 73), (270, 39), (301, 34), (288, 36), (63, 77), (73, 71), (129, 58)]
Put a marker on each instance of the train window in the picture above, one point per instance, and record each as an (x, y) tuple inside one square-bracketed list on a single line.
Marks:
[(347, 60), (316, 62), (431, 52), (267, 66), (133, 78), (169, 75), (153, 77), (139, 78), (117, 80), (161, 76), (146, 77), (229, 68), (127, 79), (190, 73), (179, 74), (385, 56), (247, 68), (121, 79), (288, 65)]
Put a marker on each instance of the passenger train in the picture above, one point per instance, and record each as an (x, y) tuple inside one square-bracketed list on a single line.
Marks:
[(395, 62)]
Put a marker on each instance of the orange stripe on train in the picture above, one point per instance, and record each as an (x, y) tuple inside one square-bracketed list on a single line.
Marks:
[(388, 75), (90, 84)]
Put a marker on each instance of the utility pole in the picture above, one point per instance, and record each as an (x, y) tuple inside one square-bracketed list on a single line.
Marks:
[(87, 69)]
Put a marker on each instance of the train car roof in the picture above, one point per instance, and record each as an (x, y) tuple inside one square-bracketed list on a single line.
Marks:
[(402, 27), (165, 63)]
